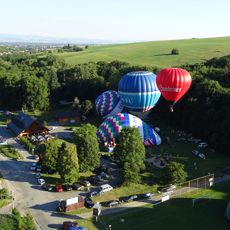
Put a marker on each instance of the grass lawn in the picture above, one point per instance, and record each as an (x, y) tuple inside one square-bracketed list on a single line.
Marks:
[(8, 222), (4, 202), (181, 152), (155, 53), (7, 151), (177, 213)]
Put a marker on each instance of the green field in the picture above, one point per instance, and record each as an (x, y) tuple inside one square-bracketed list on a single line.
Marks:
[(154, 53), (176, 214)]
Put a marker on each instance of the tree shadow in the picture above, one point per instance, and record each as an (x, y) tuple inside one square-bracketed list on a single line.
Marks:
[(166, 54)]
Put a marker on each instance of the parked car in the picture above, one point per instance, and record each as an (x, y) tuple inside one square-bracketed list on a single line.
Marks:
[(94, 193), (88, 202), (67, 187), (130, 198), (113, 203), (202, 145), (36, 157), (198, 154), (77, 186), (59, 188), (38, 168), (41, 181), (33, 168), (47, 187), (84, 182), (105, 188), (37, 175), (169, 188), (67, 224), (148, 195)]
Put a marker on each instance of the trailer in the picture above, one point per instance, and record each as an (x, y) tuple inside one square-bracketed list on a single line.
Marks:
[(71, 204)]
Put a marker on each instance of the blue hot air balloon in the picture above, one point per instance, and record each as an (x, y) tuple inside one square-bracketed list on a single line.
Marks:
[(139, 91), (108, 103), (110, 129)]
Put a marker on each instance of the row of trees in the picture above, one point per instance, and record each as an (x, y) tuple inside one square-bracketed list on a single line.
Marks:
[(41, 81)]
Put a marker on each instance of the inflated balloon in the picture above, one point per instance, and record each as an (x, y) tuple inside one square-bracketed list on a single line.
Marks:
[(108, 103), (139, 91), (173, 83), (110, 129)]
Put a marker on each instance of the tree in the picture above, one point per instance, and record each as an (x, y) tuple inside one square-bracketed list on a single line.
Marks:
[(131, 152), (86, 107), (49, 161), (18, 217), (174, 173), (87, 147), (67, 165), (28, 222), (175, 51)]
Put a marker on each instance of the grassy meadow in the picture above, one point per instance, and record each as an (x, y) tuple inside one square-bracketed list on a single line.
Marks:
[(175, 214), (157, 53)]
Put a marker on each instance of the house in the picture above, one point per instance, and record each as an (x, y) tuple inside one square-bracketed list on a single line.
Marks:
[(70, 117), (25, 125)]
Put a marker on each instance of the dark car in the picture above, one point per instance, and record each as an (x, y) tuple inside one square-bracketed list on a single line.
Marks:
[(77, 186), (88, 202), (94, 193), (67, 187), (67, 224), (47, 187), (113, 203), (130, 198)]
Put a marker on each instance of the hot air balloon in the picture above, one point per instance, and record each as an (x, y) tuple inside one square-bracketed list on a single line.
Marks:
[(139, 91), (110, 129), (108, 103), (173, 83)]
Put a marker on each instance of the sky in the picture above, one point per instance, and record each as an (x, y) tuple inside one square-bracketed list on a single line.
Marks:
[(133, 20)]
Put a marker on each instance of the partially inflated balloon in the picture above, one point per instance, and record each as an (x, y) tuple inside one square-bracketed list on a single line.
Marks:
[(108, 103), (110, 129), (138, 90)]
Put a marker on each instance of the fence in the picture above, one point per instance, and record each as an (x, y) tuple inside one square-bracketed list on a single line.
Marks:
[(194, 185)]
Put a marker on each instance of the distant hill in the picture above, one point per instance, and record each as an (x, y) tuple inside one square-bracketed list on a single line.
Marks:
[(14, 38), (156, 53)]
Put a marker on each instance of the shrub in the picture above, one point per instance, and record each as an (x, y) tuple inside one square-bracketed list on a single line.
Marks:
[(28, 145), (175, 51)]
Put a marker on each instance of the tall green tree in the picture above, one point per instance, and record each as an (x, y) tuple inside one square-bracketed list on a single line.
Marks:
[(87, 147), (67, 164), (49, 161), (86, 107), (174, 173), (131, 152)]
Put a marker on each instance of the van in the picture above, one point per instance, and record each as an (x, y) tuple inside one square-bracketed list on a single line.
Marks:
[(105, 188)]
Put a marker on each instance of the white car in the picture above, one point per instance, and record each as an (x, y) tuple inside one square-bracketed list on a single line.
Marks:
[(41, 181), (202, 145)]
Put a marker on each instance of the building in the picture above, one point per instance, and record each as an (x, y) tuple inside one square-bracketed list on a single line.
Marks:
[(25, 125), (68, 117)]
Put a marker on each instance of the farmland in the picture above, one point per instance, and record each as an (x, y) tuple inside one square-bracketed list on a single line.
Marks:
[(156, 53)]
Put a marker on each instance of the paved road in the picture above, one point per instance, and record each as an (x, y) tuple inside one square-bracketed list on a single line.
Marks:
[(26, 191)]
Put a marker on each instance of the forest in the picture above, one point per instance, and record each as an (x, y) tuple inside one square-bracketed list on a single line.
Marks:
[(38, 82)]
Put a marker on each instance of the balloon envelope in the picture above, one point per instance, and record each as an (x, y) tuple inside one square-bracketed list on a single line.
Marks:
[(173, 83), (139, 91), (108, 103), (110, 129)]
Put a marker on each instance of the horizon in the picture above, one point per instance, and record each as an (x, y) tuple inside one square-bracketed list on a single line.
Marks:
[(116, 21)]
